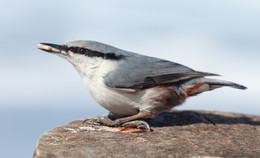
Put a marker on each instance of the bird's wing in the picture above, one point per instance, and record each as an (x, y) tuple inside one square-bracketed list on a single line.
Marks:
[(146, 72)]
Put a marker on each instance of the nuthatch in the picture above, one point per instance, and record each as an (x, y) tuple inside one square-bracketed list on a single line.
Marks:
[(131, 84)]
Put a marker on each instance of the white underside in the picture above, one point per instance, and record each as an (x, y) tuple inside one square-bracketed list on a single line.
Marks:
[(121, 101), (115, 101)]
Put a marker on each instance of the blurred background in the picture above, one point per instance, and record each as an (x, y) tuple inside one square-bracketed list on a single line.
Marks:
[(39, 91)]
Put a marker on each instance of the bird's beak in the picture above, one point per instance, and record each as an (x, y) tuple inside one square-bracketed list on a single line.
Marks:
[(51, 48)]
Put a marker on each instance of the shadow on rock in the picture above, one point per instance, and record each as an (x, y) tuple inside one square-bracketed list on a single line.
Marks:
[(196, 117)]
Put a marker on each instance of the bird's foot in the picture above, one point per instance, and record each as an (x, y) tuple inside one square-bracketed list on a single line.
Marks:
[(140, 124), (103, 120), (106, 121)]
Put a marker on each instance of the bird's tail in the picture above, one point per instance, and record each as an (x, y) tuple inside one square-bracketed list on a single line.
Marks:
[(195, 86)]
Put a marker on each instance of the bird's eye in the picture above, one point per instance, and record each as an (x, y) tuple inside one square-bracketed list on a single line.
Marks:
[(82, 50)]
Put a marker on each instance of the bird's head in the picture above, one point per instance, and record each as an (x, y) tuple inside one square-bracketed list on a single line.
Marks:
[(87, 50), (90, 58)]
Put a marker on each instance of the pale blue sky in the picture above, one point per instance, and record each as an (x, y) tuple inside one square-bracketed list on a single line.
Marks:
[(40, 91)]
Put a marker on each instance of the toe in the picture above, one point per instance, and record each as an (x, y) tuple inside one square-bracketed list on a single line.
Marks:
[(104, 120), (138, 124), (91, 121)]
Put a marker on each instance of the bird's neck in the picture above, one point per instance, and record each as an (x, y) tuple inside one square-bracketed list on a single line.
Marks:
[(93, 71)]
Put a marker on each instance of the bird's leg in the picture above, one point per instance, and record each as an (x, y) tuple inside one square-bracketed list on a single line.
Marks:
[(127, 121)]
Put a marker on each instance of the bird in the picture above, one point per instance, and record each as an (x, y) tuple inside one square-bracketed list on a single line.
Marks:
[(130, 85)]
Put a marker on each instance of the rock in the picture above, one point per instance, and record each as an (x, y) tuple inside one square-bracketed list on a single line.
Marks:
[(176, 134)]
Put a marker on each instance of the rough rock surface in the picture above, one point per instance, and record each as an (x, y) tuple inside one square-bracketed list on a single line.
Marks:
[(176, 134)]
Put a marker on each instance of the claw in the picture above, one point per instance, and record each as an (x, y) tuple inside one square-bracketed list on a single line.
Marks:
[(91, 121), (104, 120), (137, 124)]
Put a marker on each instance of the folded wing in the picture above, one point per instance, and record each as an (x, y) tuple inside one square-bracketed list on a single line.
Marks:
[(146, 72)]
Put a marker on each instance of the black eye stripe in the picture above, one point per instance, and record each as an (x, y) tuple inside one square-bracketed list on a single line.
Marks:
[(91, 53), (73, 49), (78, 50)]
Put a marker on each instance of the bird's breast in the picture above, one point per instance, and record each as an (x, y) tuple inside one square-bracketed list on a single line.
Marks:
[(113, 100)]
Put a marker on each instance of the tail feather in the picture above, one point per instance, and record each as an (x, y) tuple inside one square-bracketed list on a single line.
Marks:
[(230, 84), (198, 85)]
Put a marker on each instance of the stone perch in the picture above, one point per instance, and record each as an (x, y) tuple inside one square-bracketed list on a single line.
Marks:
[(175, 135)]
